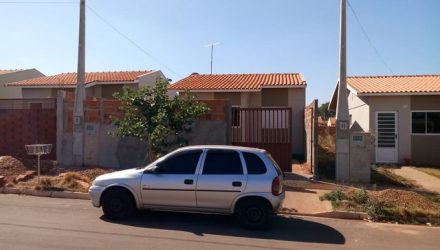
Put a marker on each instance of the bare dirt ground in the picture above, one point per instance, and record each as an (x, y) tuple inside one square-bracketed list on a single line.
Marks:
[(52, 176)]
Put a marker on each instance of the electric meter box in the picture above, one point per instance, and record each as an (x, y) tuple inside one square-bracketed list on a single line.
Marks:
[(361, 155)]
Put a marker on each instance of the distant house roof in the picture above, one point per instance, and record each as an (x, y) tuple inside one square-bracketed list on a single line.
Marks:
[(70, 79), (390, 85), (364, 85), (238, 82), (8, 71)]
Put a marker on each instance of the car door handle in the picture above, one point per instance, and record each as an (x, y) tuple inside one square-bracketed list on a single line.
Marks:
[(236, 183), (188, 182)]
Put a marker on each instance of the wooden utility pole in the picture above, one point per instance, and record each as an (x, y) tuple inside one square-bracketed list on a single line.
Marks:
[(342, 117), (78, 108)]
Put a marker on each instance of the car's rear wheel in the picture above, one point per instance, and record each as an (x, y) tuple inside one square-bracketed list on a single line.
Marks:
[(254, 214), (117, 204)]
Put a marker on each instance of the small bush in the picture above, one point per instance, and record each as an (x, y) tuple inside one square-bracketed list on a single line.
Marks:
[(334, 195), (360, 196), (375, 209)]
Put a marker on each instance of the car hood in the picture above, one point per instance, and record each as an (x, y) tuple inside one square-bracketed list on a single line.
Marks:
[(128, 174)]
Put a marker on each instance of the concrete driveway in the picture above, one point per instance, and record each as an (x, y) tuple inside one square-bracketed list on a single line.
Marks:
[(28, 222)]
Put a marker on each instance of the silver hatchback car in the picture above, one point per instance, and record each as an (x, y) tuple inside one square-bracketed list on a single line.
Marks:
[(243, 181)]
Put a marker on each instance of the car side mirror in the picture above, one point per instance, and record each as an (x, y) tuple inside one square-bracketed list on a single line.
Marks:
[(153, 170)]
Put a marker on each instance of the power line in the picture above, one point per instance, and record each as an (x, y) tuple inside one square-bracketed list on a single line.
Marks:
[(132, 42), (38, 2), (368, 38)]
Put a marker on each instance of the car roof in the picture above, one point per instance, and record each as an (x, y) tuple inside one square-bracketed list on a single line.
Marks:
[(239, 148)]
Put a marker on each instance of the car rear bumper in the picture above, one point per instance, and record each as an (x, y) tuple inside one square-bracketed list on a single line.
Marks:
[(95, 195), (277, 202)]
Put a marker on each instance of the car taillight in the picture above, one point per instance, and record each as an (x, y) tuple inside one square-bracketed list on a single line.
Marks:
[(277, 186)]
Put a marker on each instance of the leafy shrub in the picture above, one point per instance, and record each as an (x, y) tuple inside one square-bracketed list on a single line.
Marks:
[(360, 196), (375, 209), (335, 197)]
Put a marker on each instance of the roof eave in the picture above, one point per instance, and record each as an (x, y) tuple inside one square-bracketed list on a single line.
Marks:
[(399, 93)]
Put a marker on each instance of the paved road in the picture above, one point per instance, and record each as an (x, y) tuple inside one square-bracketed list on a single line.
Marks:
[(46, 223)]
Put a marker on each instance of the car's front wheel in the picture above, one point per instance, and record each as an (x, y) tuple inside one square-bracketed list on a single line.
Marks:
[(117, 204)]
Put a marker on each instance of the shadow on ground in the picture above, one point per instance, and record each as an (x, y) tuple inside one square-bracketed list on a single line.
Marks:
[(282, 228)]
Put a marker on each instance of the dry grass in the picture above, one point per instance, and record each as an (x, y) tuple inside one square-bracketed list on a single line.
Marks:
[(388, 205), (326, 156), (433, 171), (384, 177)]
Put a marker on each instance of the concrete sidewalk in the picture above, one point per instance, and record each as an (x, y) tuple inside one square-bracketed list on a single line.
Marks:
[(302, 195), (306, 201), (424, 180)]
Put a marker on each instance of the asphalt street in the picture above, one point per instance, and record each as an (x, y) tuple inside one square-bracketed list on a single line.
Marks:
[(28, 222)]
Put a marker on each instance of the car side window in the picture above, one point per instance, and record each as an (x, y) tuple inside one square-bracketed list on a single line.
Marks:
[(180, 163), (254, 163), (222, 162)]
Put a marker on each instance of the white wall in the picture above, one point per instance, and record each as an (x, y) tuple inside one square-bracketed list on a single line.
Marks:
[(359, 110)]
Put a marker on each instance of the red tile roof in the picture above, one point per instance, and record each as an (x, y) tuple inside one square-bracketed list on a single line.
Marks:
[(399, 84), (71, 79), (220, 82)]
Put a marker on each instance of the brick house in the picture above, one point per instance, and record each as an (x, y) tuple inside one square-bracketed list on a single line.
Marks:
[(98, 84), (276, 90)]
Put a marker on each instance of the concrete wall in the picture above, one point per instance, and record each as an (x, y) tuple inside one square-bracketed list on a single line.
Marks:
[(425, 148), (274, 97), (39, 92), (297, 101), (401, 105), (359, 110), (15, 92)]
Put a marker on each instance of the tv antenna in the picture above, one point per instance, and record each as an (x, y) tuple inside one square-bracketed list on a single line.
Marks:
[(212, 51)]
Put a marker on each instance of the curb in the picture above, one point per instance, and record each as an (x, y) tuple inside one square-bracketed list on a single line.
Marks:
[(41, 193), (334, 215)]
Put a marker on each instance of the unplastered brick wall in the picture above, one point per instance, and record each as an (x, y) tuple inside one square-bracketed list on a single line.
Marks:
[(311, 129), (99, 110), (101, 149), (96, 110)]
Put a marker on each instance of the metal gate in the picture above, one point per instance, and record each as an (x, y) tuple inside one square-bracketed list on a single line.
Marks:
[(265, 128)]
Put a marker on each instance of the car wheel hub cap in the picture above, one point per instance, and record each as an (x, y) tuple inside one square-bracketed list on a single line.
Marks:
[(116, 205), (254, 214)]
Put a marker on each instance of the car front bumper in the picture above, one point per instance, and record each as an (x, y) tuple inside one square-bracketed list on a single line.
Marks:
[(95, 195)]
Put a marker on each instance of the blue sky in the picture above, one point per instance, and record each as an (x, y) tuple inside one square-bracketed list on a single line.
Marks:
[(255, 35)]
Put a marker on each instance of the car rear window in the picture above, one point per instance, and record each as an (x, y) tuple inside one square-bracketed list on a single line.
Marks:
[(222, 162), (254, 163), (275, 164)]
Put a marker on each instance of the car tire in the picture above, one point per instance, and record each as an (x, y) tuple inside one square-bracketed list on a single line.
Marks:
[(254, 214), (117, 204)]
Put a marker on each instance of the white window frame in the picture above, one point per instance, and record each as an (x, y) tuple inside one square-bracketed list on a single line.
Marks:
[(426, 122)]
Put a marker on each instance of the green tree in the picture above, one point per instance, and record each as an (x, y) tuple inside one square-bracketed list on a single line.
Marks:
[(324, 112), (156, 119)]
